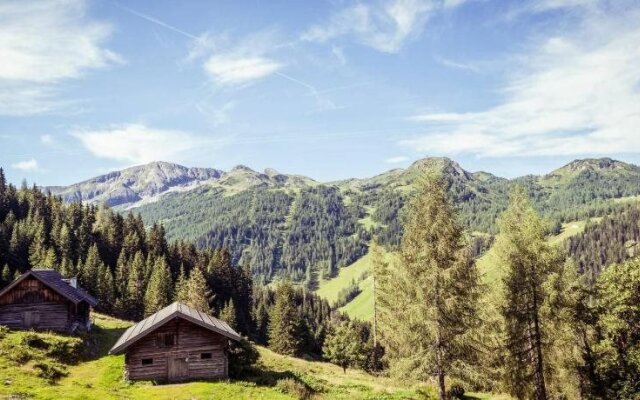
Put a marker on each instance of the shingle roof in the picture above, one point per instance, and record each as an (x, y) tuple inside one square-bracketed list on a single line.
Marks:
[(175, 310), (54, 280)]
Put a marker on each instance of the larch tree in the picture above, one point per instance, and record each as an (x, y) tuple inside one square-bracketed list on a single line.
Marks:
[(285, 324), (427, 300), (529, 263)]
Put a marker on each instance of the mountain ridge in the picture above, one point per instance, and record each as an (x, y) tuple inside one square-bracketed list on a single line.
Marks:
[(133, 185)]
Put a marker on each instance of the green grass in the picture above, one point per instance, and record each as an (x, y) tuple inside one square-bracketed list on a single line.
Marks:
[(361, 307), (329, 288), (100, 376)]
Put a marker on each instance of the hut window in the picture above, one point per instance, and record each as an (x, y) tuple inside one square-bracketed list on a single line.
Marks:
[(205, 356), (166, 339), (147, 361)]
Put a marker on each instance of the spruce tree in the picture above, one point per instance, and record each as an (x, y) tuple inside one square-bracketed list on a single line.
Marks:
[(5, 277), (228, 314), (285, 324), (136, 287), (91, 270), (181, 292), (198, 292), (528, 262), (343, 347), (105, 289), (158, 294), (427, 302)]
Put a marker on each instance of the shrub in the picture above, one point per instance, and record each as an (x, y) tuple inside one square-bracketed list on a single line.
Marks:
[(242, 356), (50, 371), (456, 391), (32, 339), (295, 388), (3, 331), (65, 350)]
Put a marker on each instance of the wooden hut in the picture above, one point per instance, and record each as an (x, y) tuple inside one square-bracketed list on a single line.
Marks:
[(175, 344), (42, 299)]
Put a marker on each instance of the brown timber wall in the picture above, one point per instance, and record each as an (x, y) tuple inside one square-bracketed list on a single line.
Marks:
[(190, 342), (31, 304)]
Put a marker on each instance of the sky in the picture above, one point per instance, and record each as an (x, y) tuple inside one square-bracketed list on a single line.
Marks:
[(328, 89)]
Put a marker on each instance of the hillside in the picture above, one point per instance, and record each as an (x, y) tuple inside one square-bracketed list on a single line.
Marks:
[(294, 226), (45, 366)]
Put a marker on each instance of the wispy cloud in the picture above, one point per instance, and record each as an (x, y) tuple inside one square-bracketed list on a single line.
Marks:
[(456, 64), (46, 139), (239, 62), (43, 43), (27, 165), (396, 160), (383, 25), (573, 94), (137, 144)]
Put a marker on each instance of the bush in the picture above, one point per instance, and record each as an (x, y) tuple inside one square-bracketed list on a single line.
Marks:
[(3, 331), (32, 339), (50, 371), (295, 388), (456, 391), (242, 356), (65, 350)]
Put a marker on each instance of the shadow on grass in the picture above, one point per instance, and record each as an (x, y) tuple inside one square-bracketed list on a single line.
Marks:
[(299, 385), (99, 341)]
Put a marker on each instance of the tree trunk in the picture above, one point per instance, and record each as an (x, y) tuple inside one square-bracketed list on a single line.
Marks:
[(540, 392), (440, 368)]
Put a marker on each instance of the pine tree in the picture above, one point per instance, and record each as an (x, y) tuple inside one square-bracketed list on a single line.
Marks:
[(5, 277), (105, 289), (181, 292), (343, 347), (198, 292), (528, 261), (90, 271), (228, 315), (158, 294), (427, 302), (136, 287), (285, 325)]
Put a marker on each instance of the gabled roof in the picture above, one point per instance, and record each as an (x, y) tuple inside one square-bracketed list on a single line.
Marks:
[(175, 310), (54, 280)]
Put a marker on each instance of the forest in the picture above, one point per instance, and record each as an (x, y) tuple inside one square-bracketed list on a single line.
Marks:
[(560, 325)]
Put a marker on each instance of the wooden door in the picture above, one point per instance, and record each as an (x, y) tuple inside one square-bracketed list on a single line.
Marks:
[(178, 369), (30, 319)]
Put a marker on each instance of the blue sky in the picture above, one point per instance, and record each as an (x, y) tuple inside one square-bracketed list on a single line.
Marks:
[(329, 89)]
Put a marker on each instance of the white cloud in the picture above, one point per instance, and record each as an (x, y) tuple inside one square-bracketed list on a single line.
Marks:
[(138, 144), (27, 165), (236, 63), (43, 43), (384, 25), (396, 160), (46, 139), (456, 64), (575, 94), (235, 69)]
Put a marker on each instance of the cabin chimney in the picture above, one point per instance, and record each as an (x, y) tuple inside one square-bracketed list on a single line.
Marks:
[(73, 282)]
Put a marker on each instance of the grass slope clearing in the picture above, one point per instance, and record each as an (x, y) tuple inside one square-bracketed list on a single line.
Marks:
[(361, 307), (51, 366)]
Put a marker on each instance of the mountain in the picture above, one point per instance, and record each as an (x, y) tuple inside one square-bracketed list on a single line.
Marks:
[(147, 183), (292, 225)]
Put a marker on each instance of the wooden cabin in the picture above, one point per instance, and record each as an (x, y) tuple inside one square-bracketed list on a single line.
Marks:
[(175, 344), (42, 299)]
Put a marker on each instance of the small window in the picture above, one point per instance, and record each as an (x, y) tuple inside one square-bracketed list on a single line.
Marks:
[(205, 356), (147, 361), (166, 340)]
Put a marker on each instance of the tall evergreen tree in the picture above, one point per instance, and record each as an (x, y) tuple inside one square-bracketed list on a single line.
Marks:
[(285, 325), (198, 292), (158, 294), (228, 314), (427, 301), (181, 292), (529, 261), (89, 274), (136, 287)]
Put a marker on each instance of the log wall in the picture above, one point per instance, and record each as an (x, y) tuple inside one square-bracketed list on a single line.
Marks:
[(31, 304), (190, 342)]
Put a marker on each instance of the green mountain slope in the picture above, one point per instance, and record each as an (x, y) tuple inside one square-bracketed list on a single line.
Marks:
[(305, 230)]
